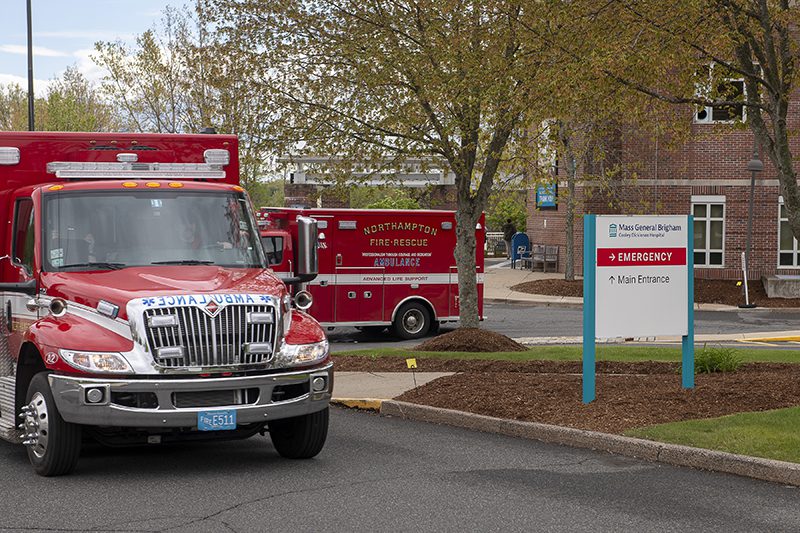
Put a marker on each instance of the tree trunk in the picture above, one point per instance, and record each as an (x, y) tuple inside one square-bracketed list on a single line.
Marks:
[(564, 138), (569, 266), (466, 220)]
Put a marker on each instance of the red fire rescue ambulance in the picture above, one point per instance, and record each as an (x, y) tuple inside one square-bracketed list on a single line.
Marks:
[(377, 268), (137, 306)]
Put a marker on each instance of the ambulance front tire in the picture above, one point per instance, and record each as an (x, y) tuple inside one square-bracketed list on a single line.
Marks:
[(54, 445), (412, 321), (300, 437)]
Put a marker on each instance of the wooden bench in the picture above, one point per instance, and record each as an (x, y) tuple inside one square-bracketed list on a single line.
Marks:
[(550, 257), (544, 256)]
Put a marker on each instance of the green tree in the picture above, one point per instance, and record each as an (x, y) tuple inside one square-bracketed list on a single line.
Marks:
[(386, 80), (686, 52), (177, 78), (13, 108), (72, 103), (394, 202), (505, 205)]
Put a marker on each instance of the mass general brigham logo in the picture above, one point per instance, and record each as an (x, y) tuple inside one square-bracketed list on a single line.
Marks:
[(612, 230)]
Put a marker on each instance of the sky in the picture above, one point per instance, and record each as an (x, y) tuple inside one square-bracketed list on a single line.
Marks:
[(64, 33)]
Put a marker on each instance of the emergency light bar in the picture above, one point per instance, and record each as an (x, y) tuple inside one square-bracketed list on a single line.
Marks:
[(133, 170)]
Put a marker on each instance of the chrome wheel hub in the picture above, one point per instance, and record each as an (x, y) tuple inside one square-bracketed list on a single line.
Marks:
[(35, 425), (412, 321)]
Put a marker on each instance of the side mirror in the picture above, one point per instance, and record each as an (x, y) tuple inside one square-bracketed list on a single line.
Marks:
[(307, 264)]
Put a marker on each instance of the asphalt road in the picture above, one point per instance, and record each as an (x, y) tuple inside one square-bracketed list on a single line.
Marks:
[(384, 474), (518, 320)]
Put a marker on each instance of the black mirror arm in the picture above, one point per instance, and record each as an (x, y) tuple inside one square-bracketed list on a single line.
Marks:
[(25, 287)]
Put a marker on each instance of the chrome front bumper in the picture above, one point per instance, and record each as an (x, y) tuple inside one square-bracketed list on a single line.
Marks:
[(70, 397)]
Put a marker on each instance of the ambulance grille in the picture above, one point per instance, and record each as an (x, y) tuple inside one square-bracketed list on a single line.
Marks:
[(206, 341)]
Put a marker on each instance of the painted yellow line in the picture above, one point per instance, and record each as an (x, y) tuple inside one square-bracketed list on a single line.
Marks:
[(773, 339), (756, 342), (355, 403)]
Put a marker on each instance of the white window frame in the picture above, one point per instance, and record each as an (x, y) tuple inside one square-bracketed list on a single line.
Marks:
[(708, 201), (795, 263), (709, 110)]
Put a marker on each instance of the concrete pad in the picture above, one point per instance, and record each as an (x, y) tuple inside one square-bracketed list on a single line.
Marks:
[(380, 385)]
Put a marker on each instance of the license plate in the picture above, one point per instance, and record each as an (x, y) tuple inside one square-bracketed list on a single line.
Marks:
[(216, 420)]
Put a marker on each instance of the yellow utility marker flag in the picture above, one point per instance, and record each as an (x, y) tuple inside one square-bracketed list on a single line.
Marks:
[(412, 363)]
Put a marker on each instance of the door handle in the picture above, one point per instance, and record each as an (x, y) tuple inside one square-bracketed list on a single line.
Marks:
[(9, 323)]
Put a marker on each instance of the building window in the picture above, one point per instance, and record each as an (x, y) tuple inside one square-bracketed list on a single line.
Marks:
[(720, 88), (788, 255), (709, 230)]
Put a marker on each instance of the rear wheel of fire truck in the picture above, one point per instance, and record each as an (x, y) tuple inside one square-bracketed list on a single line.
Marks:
[(53, 444), (300, 437), (412, 321)]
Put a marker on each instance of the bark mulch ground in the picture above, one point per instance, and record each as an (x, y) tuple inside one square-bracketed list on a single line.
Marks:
[(629, 395), (471, 340), (708, 291)]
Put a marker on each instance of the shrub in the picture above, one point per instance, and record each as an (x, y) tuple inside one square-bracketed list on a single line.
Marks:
[(716, 359)]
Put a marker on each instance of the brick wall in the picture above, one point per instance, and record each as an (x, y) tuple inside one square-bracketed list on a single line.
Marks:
[(659, 178)]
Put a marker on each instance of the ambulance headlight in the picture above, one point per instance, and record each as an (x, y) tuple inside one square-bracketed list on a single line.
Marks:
[(108, 362), (302, 354)]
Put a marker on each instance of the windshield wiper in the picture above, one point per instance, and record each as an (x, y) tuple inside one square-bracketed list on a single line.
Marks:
[(183, 262), (101, 265)]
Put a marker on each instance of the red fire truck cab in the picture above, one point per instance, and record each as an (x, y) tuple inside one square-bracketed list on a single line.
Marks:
[(378, 268), (136, 305)]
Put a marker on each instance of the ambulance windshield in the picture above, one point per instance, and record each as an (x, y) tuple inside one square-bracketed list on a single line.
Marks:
[(90, 230)]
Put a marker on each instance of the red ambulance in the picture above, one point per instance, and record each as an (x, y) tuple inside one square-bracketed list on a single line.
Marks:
[(378, 268), (137, 306)]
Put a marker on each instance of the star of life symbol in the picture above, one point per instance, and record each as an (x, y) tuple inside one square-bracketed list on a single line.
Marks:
[(212, 308)]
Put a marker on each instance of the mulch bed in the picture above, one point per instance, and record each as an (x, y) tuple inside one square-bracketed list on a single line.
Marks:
[(629, 395), (624, 401), (710, 291), (471, 340)]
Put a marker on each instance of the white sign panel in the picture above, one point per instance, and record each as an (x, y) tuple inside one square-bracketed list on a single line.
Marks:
[(641, 276)]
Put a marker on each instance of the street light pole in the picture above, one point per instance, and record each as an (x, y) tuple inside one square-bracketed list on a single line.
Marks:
[(754, 165), (30, 71)]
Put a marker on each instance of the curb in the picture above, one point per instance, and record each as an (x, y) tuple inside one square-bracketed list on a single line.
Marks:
[(538, 303), (672, 454), (366, 404)]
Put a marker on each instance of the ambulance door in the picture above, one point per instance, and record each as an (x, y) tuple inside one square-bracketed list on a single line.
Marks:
[(360, 294), (16, 289), (452, 292)]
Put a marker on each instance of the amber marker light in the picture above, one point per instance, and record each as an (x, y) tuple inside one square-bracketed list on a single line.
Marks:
[(175, 185), (129, 184), (153, 184), (237, 188), (55, 188)]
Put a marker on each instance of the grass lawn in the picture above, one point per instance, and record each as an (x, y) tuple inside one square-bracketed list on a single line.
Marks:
[(768, 434), (573, 353)]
